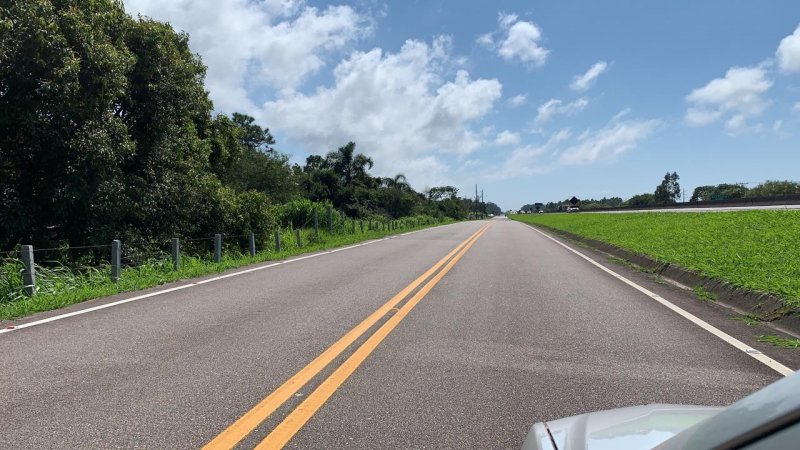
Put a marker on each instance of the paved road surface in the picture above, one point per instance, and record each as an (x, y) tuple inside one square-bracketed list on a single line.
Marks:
[(516, 330)]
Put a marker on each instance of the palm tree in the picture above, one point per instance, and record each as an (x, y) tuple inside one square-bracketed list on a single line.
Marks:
[(348, 165), (398, 183), (396, 187)]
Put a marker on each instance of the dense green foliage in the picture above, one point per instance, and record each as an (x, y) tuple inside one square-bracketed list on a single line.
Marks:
[(669, 191), (754, 249), (107, 132)]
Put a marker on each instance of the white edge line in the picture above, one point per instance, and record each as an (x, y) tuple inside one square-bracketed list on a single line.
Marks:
[(766, 360), (197, 283)]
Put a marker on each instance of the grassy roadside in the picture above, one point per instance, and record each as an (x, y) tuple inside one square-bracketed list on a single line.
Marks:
[(757, 250), (59, 287)]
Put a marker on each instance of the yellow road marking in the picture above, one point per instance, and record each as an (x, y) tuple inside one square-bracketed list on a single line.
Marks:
[(281, 435), (252, 418)]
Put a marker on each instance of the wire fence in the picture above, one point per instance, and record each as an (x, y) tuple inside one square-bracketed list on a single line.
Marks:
[(19, 267)]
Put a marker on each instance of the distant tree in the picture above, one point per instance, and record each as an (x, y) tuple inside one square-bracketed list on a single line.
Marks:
[(669, 191), (640, 200), (726, 191), (349, 165), (613, 202), (399, 182), (314, 163), (702, 193), (442, 192), (719, 192), (252, 135), (398, 200), (492, 208), (775, 188)]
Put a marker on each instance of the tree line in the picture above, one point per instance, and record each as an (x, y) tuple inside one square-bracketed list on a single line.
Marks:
[(669, 192), (107, 131)]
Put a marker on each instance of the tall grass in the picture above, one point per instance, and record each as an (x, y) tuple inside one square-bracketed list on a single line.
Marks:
[(58, 286)]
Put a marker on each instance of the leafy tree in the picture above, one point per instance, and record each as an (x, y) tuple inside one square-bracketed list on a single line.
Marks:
[(641, 200), (719, 192), (106, 131), (669, 191), (62, 147), (442, 192), (169, 119), (252, 135), (242, 157), (399, 200), (775, 188), (492, 208)]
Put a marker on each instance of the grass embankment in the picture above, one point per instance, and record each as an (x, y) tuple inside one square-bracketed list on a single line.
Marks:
[(757, 250), (61, 286)]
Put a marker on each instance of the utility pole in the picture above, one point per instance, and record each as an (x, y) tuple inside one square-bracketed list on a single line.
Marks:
[(476, 200), (483, 205)]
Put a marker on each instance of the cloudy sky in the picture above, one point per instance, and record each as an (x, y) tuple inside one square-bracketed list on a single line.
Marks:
[(531, 100)]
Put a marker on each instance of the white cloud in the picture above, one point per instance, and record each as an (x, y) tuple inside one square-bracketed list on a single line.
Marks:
[(518, 39), (246, 44), (737, 96), (555, 107), (506, 20), (530, 159), (788, 53), (606, 143), (562, 149), (506, 137), (582, 83), (621, 114), (518, 100), (796, 107), (486, 40), (398, 107)]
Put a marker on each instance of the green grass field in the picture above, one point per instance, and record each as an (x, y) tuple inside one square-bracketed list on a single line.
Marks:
[(758, 250), (61, 286)]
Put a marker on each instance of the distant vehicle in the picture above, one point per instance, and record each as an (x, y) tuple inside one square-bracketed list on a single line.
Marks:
[(539, 211), (491, 215), (572, 209), (767, 419)]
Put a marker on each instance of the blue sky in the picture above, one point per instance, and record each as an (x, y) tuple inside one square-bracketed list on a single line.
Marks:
[(531, 100)]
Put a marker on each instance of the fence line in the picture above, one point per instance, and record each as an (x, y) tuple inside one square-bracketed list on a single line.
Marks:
[(121, 253)]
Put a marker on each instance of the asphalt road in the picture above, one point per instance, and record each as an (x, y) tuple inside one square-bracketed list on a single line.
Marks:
[(516, 330)]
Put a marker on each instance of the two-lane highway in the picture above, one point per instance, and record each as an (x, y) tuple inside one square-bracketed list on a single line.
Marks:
[(456, 337)]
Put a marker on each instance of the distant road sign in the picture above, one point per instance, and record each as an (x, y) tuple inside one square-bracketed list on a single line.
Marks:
[(574, 201)]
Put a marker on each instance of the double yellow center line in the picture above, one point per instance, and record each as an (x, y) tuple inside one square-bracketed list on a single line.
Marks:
[(302, 413)]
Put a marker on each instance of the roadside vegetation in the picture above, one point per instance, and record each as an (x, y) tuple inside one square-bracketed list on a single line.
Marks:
[(757, 250), (107, 133), (703, 294), (60, 285), (780, 342)]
